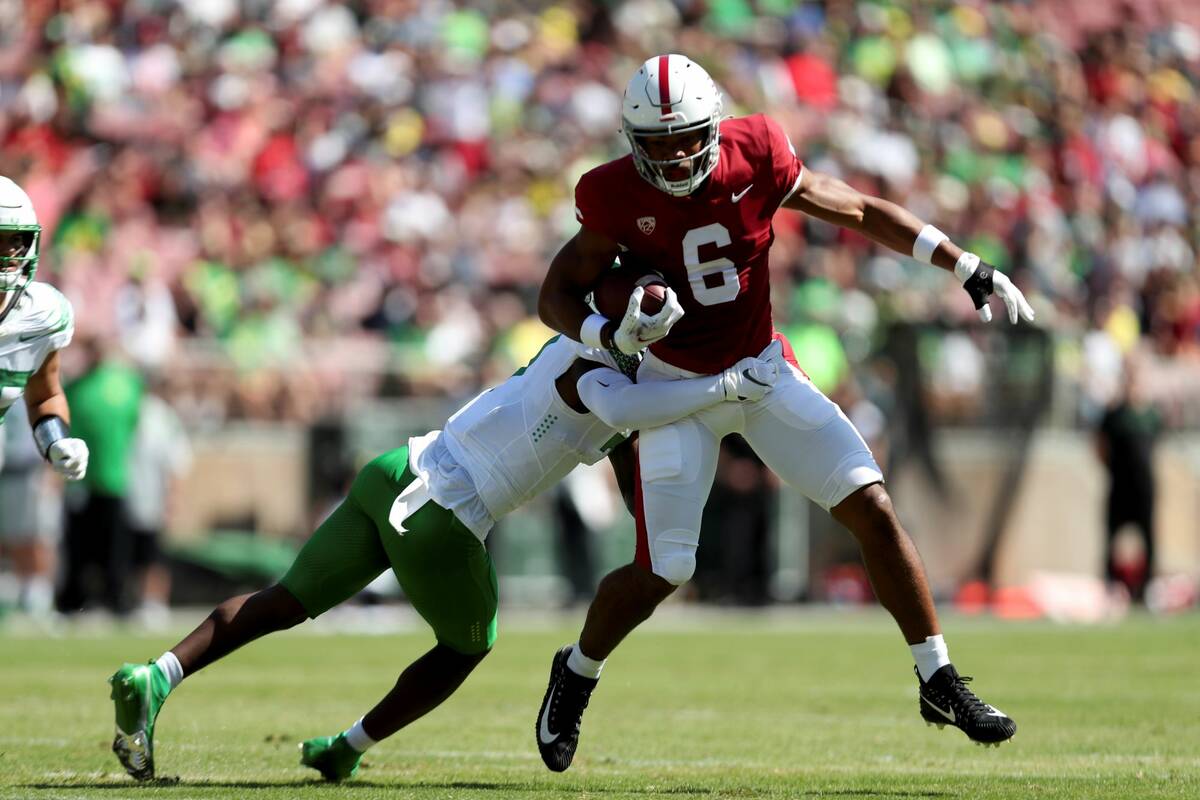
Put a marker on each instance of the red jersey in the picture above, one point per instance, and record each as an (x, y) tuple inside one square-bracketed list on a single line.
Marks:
[(711, 246)]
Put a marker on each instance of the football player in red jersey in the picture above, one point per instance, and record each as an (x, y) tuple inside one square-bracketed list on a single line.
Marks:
[(694, 200)]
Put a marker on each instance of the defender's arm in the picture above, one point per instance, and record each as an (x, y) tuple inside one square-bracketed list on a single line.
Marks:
[(624, 405)]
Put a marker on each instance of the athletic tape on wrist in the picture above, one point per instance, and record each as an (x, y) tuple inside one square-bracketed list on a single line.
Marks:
[(965, 267), (47, 431), (927, 241), (589, 331)]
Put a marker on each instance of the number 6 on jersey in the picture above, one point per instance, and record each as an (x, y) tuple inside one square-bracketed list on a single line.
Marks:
[(730, 286)]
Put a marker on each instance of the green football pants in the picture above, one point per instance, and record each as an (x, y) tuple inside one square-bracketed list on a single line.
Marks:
[(444, 570)]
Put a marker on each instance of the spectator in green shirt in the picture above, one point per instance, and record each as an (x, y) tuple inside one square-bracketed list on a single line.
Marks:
[(105, 401)]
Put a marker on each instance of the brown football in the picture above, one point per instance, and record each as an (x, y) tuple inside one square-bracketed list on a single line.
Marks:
[(612, 293)]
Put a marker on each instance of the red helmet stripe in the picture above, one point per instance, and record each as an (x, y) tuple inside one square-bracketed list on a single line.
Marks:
[(664, 84)]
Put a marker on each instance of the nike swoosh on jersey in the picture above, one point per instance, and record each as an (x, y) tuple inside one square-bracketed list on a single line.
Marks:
[(739, 195), (545, 735), (39, 335), (59, 327)]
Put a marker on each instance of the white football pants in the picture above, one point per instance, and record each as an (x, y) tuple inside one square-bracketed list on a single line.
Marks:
[(798, 432)]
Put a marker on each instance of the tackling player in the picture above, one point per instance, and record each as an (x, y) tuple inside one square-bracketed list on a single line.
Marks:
[(698, 193), (424, 510), (36, 322)]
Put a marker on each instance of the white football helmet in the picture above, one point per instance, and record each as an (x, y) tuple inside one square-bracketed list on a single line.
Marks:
[(672, 94), (19, 265)]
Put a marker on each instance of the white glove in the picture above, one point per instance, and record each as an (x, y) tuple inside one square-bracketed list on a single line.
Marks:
[(749, 379), (638, 330), (981, 279), (69, 458)]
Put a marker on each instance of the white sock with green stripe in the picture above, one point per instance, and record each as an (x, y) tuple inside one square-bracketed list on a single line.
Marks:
[(358, 738), (170, 666)]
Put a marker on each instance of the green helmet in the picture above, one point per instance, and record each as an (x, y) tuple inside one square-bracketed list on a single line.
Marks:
[(17, 216)]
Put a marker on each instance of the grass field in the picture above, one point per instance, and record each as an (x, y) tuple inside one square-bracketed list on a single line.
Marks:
[(806, 705)]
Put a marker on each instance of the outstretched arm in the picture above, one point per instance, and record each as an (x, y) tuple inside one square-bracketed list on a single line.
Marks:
[(829, 199), (836, 202), (624, 405)]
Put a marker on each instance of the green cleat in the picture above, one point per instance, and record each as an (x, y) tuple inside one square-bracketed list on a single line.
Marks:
[(332, 756), (138, 692)]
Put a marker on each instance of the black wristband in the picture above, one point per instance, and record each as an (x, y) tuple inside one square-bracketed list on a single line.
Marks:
[(606, 336), (48, 430)]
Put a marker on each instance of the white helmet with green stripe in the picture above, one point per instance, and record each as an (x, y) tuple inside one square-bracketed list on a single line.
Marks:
[(19, 237)]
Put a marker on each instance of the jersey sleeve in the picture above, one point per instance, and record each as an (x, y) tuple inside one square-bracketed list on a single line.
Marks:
[(593, 206), (63, 325), (786, 166), (50, 323)]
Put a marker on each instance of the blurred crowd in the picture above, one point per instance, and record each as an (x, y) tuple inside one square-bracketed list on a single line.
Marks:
[(283, 207)]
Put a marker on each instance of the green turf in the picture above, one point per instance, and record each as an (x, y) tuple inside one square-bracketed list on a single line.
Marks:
[(811, 705)]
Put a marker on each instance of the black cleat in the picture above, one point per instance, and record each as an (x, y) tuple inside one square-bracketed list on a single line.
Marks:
[(558, 721), (946, 700)]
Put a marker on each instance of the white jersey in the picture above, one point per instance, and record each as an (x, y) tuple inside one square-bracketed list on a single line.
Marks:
[(41, 323), (514, 440)]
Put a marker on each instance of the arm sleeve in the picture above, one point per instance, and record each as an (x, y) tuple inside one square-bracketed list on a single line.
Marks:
[(786, 167), (625, 405)]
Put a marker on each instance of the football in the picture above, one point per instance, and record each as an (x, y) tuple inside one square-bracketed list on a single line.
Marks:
[(611, 295)]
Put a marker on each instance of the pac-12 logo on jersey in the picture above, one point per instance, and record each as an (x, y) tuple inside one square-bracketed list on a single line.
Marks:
[(646, 225)]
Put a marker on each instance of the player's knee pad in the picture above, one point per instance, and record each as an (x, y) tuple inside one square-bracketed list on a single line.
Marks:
[(675, 562), (677, 569)]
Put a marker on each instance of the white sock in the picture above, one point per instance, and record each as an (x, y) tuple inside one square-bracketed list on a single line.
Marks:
[(357, 737), (580, 664), (930, 655), (171, 667), (36, 595)]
